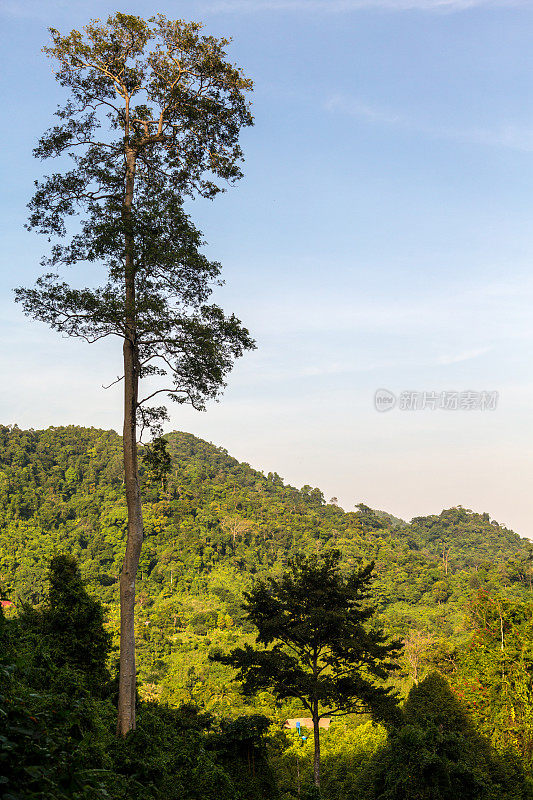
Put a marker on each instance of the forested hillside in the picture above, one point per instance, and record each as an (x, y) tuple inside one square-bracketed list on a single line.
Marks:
[(217, 525), (456, 587), (62, 488)]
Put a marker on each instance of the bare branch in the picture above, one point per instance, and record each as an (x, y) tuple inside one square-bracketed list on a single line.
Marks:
[(160, 391), (121, 378)]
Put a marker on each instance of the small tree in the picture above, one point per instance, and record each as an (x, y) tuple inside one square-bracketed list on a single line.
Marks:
[(154, 114), (318, 647)]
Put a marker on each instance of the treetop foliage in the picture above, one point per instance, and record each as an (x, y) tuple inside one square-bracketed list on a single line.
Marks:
[(184, 102), (153, 115)]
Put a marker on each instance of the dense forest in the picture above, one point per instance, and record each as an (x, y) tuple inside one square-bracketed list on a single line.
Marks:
[(456, 588)]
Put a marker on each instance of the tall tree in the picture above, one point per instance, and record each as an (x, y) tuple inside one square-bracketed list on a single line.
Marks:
[(317, 645), (154, 114)]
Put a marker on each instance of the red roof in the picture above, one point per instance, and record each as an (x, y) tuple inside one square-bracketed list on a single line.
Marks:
[(6, 603)]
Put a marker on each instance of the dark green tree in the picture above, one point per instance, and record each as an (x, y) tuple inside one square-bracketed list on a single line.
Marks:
[(74, 623), (67, 635), (153, 114), (437, 754), (318, 646)]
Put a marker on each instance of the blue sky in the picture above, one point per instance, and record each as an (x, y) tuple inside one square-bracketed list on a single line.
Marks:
[(381, 238)]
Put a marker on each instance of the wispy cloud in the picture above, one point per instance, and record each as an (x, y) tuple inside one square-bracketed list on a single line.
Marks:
[(515, 137), (370, 113), (344, 6), (467, 355)]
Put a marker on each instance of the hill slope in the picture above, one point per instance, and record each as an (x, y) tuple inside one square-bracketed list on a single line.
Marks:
[(218, 525)]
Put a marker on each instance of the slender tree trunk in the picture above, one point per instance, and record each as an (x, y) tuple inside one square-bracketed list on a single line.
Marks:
[(316, 734), (127, 678)]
